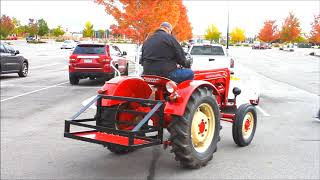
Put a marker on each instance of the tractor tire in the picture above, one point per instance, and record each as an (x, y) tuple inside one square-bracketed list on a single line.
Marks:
[(244, 126), (73, 79), (109, 118), (24, 70), (195, 135)]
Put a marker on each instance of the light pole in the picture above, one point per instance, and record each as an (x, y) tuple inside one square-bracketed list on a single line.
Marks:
[(228, 28)]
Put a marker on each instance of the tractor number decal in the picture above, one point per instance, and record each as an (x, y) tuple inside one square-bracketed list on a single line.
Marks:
[(151, 80)]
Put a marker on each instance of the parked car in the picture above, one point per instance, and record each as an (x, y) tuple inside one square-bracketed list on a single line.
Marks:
[(12, 62), (288, 47), (95, 60), (260, 45), (211, 56), (68, 44), (30, 38), (12, 38)]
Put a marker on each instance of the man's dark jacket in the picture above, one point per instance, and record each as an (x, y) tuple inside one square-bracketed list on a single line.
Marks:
[(161, 53)]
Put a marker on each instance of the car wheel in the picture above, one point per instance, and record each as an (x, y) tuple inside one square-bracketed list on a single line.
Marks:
[(24, 70), (74, 80)]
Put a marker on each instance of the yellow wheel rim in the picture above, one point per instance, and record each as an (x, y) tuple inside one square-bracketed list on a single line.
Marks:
[(247, 125), (203, 127)]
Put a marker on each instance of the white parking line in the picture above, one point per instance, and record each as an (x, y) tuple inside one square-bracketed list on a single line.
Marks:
[(262, 111), (24, 94), (47, 65)]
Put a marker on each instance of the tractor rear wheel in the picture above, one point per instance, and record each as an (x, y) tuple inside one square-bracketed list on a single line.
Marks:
[(244, 126), (195, 135), (108, 119)]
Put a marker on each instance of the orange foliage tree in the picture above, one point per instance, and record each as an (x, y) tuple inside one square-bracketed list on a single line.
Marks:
[(269, 32), (315, 31), (183, 29), (137, 19), (290, 28)]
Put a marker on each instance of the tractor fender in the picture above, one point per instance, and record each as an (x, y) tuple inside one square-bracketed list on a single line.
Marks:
[(125, 86), (184, 91)]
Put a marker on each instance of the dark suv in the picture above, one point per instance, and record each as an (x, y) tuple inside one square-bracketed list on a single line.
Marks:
[(94, 60), (11, 62)]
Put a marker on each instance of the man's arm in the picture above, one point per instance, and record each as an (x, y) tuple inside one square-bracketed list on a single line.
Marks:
[(181, 58)]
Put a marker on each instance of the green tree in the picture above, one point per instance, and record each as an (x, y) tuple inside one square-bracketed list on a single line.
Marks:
[(6, 26), (212, 33), (21, 30), (43, 27), (58, 31), (237, 35), (88, 29), (300, 39), (101, 33)]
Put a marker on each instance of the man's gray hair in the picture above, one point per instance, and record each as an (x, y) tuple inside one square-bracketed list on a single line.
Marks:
[(167, 25)]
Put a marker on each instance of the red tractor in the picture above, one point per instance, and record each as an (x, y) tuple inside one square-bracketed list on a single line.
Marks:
[(132, 113)]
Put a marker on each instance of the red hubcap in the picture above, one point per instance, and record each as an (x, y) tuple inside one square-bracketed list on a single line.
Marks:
[(202, 126), (247, 125)]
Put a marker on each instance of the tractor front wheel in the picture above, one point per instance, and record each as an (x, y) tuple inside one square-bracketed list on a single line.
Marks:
[(195, 135), (244, 126)]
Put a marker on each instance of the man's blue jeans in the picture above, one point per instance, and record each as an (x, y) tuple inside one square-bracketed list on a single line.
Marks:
[(180, 75)]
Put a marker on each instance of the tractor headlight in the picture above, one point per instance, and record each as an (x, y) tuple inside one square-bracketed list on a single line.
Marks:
[(171, 86)]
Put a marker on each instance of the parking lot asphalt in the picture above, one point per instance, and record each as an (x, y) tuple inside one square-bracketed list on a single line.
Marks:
[(33, 109)]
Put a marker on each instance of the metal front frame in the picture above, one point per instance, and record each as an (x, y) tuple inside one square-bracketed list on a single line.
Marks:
[(158, 107)]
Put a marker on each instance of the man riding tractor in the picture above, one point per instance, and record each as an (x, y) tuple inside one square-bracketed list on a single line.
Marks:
[(161, 53)]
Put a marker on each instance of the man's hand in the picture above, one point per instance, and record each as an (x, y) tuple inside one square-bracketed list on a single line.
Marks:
[(189, 61)]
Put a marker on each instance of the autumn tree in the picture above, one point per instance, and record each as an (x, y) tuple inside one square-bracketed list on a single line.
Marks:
[(212, 33), (6, 26), (16, 24), (88, 29), (315, 30), (237, 35), (58, 31), (43, 27), (32, 27), (269, 32), (138, 19), (183, 30), (290, 28)]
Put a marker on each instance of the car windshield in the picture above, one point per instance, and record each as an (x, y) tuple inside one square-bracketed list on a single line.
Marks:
[(207, 50), (89, 49)]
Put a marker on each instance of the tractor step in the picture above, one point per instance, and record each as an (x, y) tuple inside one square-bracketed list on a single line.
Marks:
[(110, 138), (107, 136)]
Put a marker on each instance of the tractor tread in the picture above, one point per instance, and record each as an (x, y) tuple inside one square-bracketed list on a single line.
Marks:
[(178, 129)]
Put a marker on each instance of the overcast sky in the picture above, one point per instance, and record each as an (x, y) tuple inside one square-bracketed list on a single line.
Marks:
[(249, 15)]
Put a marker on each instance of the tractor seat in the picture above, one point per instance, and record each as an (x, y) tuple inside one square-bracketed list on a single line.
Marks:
[(156, 80)]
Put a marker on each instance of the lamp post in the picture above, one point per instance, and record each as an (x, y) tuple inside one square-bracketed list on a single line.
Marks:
[(228, 28)]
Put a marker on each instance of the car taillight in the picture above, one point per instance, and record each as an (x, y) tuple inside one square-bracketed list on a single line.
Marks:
[(103, 60), (231, 63), (72, 60)]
